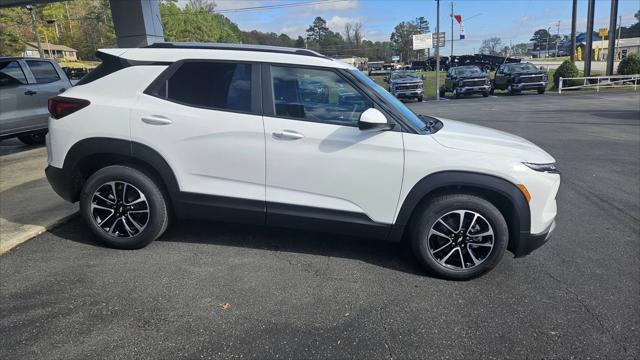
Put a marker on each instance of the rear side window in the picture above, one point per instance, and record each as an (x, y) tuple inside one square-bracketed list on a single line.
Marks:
[(216, 85), (110, 64), (43, 71), (11, 74)]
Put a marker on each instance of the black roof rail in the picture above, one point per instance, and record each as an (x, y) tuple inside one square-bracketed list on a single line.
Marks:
[(238, 47)]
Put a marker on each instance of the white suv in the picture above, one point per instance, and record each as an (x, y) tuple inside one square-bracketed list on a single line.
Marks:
[(289, 137)]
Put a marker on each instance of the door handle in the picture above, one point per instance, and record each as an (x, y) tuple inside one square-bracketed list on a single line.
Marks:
[(287, 135), (156, 120), (30, 92)]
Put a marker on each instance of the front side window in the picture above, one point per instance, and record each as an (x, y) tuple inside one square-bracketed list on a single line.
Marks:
[(216, 85), (316, 95), (11, 74), (43, 71)]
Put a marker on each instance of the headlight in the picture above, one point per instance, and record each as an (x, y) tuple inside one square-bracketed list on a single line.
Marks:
[(549, 168)]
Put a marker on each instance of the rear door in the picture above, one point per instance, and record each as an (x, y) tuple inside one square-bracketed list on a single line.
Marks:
[(50, 81), (204, 118), (17, 98), (320, 165), (500, 79)]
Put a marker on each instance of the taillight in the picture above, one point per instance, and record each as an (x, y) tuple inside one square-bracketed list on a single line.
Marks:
[(61, 106)]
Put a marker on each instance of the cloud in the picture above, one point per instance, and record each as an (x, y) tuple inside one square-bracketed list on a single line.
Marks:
[(336, 23), (294, 30)]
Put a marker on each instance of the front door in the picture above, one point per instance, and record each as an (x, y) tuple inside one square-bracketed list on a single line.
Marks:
[(320, 167), (204, 119), (18, 99)]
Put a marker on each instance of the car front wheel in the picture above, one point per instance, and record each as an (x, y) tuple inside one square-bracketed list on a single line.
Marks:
[(459, 236), (123, 207)]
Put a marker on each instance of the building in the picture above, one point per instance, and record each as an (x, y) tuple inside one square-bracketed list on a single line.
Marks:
[(624, 47), (52, 51), (358, 62)]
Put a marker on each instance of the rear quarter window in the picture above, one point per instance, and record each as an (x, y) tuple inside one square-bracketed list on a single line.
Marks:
[(43, 71)]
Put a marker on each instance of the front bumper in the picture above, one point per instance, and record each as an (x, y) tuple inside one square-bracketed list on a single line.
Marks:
[(62, 183), (474, 89), (533, 85), (408, 93), (530, 242)]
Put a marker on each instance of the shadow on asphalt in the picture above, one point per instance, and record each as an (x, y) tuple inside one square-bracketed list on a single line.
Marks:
[(605, 114), (394, 256), (12, 146)]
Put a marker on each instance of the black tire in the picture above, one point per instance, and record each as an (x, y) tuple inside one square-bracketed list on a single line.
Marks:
[(437, 208), (485, 94), (510, 90), (33, 139), (456, 93), (158, 214), (492, 90), (541, 91), (419, 98), (443, 91)]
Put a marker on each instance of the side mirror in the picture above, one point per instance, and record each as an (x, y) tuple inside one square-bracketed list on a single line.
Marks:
[(373, 120)]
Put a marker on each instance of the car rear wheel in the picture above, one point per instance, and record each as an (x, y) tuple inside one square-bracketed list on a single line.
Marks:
[(456, 93), (33, 139), (541, 91), (459, 236), (510, 90), (124, 207), (485, 94), (419, 98), (442, 91)]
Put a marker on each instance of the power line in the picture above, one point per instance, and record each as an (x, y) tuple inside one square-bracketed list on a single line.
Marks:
[(278, 6)]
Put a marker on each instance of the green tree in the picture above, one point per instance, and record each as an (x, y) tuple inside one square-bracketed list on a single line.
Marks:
[(196, 24), (567, 69), (491, 46), (299, 42), (321, 38), (402, 40), (630, 65)]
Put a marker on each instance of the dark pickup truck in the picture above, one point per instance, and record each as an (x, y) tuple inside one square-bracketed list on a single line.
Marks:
[(406, 84), (518, 77), (466, 80)]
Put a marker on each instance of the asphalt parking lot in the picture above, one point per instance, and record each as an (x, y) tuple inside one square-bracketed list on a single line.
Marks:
[(308, 295)]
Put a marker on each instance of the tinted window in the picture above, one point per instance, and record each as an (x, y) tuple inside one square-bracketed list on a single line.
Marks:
[(316, 95), (210, 84), (11, 74), (43, 71)]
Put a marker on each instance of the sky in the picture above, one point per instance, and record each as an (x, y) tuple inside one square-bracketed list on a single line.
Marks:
[(514, 21)]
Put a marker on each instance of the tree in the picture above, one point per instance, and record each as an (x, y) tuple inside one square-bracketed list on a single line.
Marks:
[(422, 24), (491, 46), (299, 42), (630, 65), (206, 5), (357, 34), (318, 31), (402, 39), (196, 24), (347, 33), (320, 38), (520, 49)]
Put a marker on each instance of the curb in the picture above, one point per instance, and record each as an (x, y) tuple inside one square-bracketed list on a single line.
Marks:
[(33, 231)]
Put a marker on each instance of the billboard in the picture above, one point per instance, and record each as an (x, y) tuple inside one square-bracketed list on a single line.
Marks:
[(422, 41)]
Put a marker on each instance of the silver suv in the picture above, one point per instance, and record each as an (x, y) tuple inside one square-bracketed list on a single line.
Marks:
[(25, 86)]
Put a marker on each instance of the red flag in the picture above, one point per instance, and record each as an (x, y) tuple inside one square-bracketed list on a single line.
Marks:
[(458, 18)]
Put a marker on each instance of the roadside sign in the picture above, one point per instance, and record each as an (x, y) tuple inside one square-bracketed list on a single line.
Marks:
[(603, 32), (422, 41), (395, 58), (439, 39)]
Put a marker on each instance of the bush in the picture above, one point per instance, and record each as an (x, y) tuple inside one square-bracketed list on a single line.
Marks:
[(630, 65), (566, 70)]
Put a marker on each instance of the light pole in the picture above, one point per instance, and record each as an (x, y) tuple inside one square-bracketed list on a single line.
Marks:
[(35, 29), (438, 50), (546, 48), (574, 14)]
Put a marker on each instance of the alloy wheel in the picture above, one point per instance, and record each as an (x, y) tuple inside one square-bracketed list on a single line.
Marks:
[(460, 239), (120, 209)]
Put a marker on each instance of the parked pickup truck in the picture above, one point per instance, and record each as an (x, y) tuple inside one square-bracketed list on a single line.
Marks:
[(26, 84), (466, 80), (406, 84), (518, 77)]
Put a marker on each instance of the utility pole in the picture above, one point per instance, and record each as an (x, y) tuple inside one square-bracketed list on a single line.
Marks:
[(557, 38), (34, 28), (546, 48), (438, 50), (588, 53), (619, 31), (452, 29), (574, 14), (611, 54)]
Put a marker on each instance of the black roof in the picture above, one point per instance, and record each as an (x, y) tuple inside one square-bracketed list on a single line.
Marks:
[(238, 47)]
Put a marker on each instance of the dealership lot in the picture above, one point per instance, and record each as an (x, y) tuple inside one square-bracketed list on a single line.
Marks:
[(309, 295)]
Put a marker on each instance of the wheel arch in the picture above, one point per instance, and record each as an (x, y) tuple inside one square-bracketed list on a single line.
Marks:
[(503, 194), (89, 155)]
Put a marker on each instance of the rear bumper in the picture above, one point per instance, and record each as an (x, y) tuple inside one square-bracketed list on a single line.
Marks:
[(62, 183), (530, 242)]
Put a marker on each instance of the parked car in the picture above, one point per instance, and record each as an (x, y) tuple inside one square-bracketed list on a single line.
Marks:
[(289, 137), (420, 65), (377, 68), (466, 80), (406, 84), (519, 77), (25, 86)]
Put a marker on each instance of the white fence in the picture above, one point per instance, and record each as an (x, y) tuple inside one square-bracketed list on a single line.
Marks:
[(601, 82)]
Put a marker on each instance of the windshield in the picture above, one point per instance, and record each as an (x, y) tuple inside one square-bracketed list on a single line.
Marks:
[(392, 100), (523, 67), (471, 71), (404, 75)]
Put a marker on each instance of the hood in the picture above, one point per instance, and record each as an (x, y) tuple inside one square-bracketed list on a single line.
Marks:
[(469, 137)]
